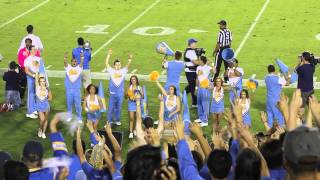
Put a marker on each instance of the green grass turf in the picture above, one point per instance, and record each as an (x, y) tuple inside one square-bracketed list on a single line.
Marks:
[(285, 29)]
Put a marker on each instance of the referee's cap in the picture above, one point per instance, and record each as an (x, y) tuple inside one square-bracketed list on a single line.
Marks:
[(192, 40), (223, 22)]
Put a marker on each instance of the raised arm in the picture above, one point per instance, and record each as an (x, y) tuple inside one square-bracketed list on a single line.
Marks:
[(114, 142), (139, 129), (161, 115), (263, 117), (65, 59), (164, 62), (80, 152), (108, 58), (36, 80), (129, 61), (163, 91), (197, 131), (81, 59), (294, 107)]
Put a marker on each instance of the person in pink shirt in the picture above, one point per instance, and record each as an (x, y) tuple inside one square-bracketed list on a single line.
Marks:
[(24, 53)]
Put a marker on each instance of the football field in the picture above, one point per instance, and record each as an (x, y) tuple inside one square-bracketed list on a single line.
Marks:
[(262, 31)]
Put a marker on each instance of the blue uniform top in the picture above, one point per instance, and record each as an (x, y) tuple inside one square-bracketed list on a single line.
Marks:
[(73, 77), (60, 149), (116, 83), (278, 174), (174, 69), (274, 85), (93, 173), (187, 166), (40, 174), (76, 52)]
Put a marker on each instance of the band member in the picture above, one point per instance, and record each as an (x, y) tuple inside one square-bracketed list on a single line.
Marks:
[(116, 87)]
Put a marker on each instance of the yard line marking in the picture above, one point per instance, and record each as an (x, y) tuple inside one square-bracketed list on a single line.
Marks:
[(19, 16), (125, 28), (133, 71), (48, 67), (253, 25)]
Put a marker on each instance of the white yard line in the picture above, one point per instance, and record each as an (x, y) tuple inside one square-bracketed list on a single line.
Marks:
[(125, 28), (48, 67), (26, 12), (253, 25), (133, 71)]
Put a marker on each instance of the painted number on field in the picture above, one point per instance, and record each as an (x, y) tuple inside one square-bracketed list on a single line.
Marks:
[(154, 31), (95, 29)]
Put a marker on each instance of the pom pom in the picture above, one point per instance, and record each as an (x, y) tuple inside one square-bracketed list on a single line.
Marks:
[(204, 83), (154, 75)]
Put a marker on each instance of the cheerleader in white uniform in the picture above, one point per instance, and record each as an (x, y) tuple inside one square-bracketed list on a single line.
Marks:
[(43, 96), (217, 104), (245, 103), (93, 105)]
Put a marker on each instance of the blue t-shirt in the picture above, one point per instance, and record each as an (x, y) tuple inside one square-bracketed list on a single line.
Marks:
[(40, 174), (76, 52), (305, 77)]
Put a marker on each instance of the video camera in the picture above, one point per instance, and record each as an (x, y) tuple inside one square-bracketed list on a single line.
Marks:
[(309, 56), (200, 51)]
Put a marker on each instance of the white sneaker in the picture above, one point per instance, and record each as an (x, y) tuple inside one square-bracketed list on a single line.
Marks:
[(43, 136), (118, 123), (194, 106), (35, 113), (204, 124), (197, 121), (39, 133), (32, 116), (134, 132), (156, 122), (130, 135)]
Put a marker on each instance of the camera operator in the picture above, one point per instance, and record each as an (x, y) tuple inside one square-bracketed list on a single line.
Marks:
[(191, 59), (223, 41), (305, 71)]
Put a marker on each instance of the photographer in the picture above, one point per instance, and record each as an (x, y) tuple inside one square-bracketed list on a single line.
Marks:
[(305, 71), (191, 61), (13, 79)]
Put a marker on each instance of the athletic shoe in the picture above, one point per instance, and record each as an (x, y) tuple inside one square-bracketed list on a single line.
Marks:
[(156, 122), (197, 121), (118, 123), (130, 135), (204, 124), (134, 132), (39, 133), (43, 136), (194, 106), (35, 113), (32, 116)]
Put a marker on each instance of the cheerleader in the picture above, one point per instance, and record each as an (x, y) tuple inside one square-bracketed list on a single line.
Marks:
[(172, 103), (116, 88), (92, 105), (245, 103), (217, 104), (43, 96), (235, 75), (133, 89)]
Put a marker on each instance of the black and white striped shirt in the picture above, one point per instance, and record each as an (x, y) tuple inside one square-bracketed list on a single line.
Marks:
[(224, 37)]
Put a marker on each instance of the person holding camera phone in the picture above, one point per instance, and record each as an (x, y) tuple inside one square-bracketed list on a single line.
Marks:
[(223, 42), (191, 62), (305, 70)]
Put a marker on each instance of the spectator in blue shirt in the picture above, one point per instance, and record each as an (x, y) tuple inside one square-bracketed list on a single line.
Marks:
[(60, 149), (76, 54), (32, 156), (272, 152)]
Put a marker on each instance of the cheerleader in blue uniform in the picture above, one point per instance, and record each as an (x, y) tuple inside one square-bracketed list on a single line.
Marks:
[(43, 96), (92, 104), (217, 104), (245, 103), (172, 104), (133, 89)]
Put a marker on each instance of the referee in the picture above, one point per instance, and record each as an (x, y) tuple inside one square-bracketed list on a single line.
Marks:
[(223, 42)]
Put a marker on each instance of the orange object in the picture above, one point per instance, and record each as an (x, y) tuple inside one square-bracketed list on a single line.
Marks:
[(154, 75), (204, 83)]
